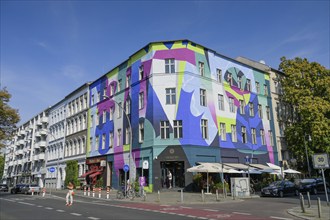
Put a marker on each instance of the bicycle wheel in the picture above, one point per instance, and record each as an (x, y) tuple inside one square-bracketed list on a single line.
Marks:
[(120, 195)]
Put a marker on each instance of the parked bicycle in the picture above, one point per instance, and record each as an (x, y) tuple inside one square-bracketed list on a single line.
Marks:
[(130, 193)]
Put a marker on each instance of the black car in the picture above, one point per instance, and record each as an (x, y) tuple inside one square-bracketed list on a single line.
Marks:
[(3, 188), (313, 186), (280, 188), (18, 189)]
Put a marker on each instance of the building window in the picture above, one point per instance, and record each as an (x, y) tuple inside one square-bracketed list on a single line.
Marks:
[(251, 109), (242, 107), (223, 131), (141, 100), (270, 134), (169, 66), (257, 87), (202, 97), (239, 79), (97, 142), (119, 110), (233, 133), (112, 90), (128, 107), (164, 129), (141, 72), (266, 89), (177, 124), (201, 68), (141, 132), (268, 112), (119, 85), (103, 141), (111, 113), (262, 135), (111, 139), (230, 79), (248, 84), (104, 93), (254, 136), (118, 137), (204, 128), (92, 101), (221, 102), (128, 135), (244, 138), (128, 81), (231, 105), (98, 96), (104, 116), (219, 75), (260, 111), (170, 96), (92, 121)]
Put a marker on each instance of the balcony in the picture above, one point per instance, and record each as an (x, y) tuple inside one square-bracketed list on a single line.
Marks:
[(36, 157), (22, 132), (21, 142), (36, 145), (41, 156), (37, 134), (11, 163), (43, 132), (44, 119), (19, 162), (20, 152), (42, 143)]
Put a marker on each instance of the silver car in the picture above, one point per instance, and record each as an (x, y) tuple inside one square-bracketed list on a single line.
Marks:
[(29, 188)]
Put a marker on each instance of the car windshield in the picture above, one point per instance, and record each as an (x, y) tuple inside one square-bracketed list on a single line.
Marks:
[(277, 183)]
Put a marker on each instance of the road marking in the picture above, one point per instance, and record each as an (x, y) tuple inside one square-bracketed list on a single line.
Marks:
[(39, 206), (281, 218), (185, 207), (76, 214), (49, 208), (93, 218), (241, 213), (60, 210), (9, 200), (25, 203), (211, 210)]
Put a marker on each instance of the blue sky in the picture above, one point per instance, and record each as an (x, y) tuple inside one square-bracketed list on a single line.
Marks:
[(50, 48)]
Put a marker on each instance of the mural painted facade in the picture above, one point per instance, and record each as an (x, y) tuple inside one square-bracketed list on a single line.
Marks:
[(186, 104)]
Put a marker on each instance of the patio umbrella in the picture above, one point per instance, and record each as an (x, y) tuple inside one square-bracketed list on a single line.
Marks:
[(206, 168), (291, 171)]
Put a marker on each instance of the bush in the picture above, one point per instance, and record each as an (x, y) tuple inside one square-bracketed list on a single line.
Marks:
[(219, 186)]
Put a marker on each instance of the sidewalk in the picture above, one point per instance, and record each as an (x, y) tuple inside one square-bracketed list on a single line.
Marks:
[(175, 197)]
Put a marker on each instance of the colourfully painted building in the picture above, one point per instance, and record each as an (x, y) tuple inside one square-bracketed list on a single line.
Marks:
[(171, 105)]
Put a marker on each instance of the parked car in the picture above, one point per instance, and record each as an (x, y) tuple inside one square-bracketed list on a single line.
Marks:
[(3, 188), (280, 188), (29, 188), (17, 189), (313, 186)]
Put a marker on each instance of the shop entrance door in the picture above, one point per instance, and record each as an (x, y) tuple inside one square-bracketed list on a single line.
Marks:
[(177, 170)]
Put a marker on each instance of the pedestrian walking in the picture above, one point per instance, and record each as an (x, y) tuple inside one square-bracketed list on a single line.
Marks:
[(69, 195)]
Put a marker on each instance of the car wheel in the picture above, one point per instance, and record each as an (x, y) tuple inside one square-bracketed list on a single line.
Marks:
[(280, 194), (314, 191)]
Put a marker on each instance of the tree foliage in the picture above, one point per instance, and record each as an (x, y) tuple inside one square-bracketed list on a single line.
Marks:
[(306, 89), (8, 117), (71, 171), (2, 166)]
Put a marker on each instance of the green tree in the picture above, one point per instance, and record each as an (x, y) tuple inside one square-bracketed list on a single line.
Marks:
[(2, 165), (306, 89), (8, 117), (71, 171)]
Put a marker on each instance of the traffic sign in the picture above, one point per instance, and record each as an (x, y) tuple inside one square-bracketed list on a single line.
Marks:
[(126, 168), (52, 169), (320, 161), (145, 165)]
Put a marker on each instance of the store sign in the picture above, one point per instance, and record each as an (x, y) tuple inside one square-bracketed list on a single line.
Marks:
[(145, 165), (320, 161), (103, 163)]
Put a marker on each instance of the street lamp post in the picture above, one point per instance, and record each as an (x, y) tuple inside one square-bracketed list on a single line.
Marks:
[(307, 159), (131, 138)]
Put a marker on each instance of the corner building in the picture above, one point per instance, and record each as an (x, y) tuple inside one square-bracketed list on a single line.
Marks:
[(185, 104)]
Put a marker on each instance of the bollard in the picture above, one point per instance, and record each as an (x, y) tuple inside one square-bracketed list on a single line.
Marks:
[(32, 192), (84, 190), (309, 200), (99, 192), (89, 191), (93, 192), (203, 199), (302, 203), (144, 196), (158, 196), (217, 194), (181, 195), (43, 192), (319, 206), (108, 192)]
